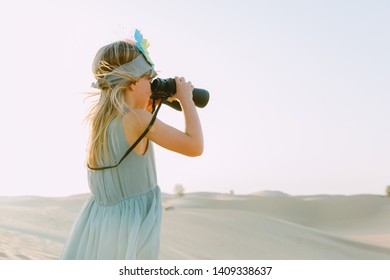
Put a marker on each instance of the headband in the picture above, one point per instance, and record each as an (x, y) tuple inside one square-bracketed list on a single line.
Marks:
[(136, 68)]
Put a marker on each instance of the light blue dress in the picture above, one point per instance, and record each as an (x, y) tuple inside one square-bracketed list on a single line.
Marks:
[(122, 217)]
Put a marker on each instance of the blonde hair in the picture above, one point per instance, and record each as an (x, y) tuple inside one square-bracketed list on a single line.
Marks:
[(110, 102)]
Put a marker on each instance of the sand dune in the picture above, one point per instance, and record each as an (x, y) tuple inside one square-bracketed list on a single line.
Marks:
[(263, 225)]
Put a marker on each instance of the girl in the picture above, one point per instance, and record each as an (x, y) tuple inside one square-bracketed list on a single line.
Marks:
[(122, 217)]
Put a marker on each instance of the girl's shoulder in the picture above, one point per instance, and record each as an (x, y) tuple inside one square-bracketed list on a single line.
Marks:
[(136, 119)]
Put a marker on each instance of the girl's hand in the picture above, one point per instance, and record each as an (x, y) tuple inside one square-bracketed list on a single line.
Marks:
[(183, 89), (149, 107)]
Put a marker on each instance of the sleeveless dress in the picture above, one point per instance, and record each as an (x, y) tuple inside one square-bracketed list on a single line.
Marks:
[(122, 217)]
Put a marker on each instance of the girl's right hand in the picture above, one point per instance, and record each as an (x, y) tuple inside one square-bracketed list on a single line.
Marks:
[(183, 89)]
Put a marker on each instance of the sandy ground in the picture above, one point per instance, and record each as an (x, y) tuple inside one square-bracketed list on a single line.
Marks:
[(264, 225)]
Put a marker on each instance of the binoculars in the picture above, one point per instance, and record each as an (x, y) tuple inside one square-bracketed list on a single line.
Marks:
[(165, 88)]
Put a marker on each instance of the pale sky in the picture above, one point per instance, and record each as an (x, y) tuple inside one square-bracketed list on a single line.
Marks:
[(299, 92)]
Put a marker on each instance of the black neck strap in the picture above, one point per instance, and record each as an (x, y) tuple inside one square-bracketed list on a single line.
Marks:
[(136, 142)]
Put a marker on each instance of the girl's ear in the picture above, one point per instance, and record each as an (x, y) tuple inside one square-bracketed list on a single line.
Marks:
[(133, 86)]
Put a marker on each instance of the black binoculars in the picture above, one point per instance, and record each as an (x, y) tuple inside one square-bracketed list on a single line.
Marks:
[(165, 88)]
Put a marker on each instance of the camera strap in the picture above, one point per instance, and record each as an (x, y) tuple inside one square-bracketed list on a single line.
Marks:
[(155, 112)]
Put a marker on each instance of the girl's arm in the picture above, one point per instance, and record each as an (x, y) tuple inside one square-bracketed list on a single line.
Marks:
[(188, 142)]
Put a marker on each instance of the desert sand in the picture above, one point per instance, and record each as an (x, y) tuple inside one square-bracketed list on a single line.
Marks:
[(199, 226)]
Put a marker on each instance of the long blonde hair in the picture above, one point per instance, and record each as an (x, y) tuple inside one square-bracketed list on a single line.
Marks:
[(110, 102)]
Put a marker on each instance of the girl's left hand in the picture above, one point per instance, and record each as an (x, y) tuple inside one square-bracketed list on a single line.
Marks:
[(149, 107)]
